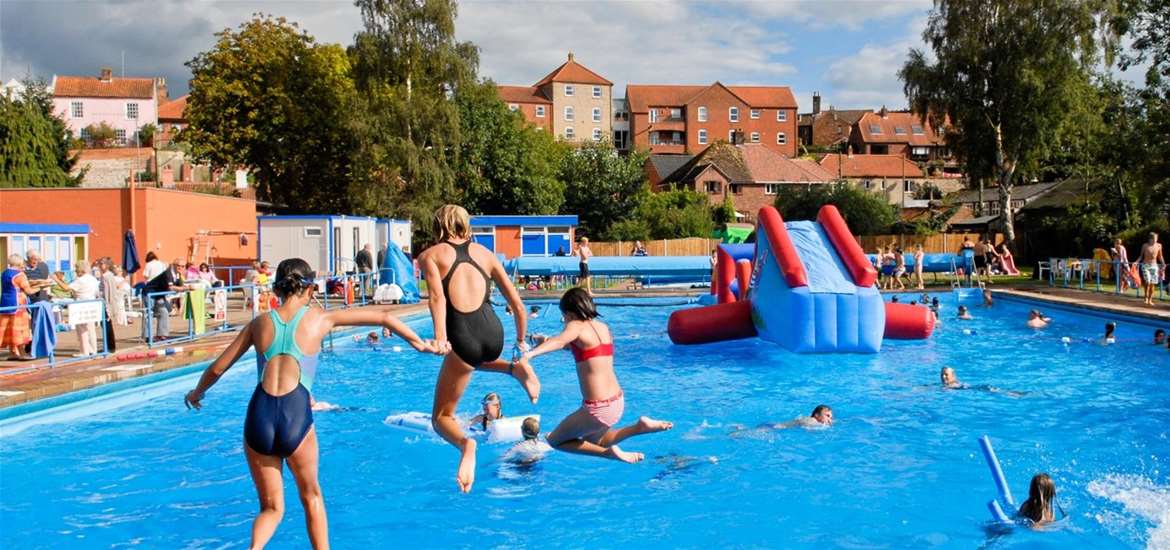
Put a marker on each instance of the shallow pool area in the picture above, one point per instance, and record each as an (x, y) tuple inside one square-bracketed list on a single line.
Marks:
[(899, 469)]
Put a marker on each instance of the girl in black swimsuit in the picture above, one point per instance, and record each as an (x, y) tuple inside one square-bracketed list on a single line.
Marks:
[(476, 337)]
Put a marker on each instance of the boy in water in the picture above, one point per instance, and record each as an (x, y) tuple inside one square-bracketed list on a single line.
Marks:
[(534, 312), (964, 315), (1159, 337), (532, 448), (821, 417), (1037, 319)]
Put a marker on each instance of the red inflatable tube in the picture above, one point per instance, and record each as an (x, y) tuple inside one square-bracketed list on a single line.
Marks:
[(725, 272), (730, 321), (863, 272), (743, 272), (907, 322), (772, 225)]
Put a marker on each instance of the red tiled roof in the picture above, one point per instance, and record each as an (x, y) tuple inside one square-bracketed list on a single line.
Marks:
[(870, 166), (642, 96), (522, 94), (764, 164), (571, 71), (173, 110), (891, 124), (92, 86)]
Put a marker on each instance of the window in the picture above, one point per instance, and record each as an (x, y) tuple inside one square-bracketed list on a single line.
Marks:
[(755, 137), (313, 232), (597, 114), (676, 138), (120, 136), (85, 134), (485, 236), (569, 134), (992, 208), (653, 115), (755, 114), (899, 130), (917, 130), (597, 91), (737, 188), (712, 186), (132, 111), (597, 134), (702, 137), (569, 112), (675, 114), (1017, 203), (733, 114), (619, 139), (771, 188), (702, 114), (76, 110), (731, 136), (513, 107), (907, 186), (919, 151), (568, 90), (782, 116), (781, 138), (540, 111), (875, 128), (653, 138)]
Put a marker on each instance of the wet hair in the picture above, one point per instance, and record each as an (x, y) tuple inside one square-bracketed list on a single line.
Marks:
[(1041, 493), (578, 302), (1159, 332), (292, 277), (934, 301), (894, 300), (1109, 328), (820, 409), (962, 309), (151, 256), (942, 374), (534, 309), (530, 428), (492, 397), (451, 222)]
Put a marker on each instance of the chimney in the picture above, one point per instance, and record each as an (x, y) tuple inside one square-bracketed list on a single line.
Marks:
[(160, 87), (884, 111), (107, 74), (816, 102), (570, 56)]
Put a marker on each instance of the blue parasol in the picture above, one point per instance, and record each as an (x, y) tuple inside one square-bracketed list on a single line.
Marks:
[(130, 253)]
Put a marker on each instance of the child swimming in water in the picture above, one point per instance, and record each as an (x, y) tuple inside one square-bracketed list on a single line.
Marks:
[(590, 430), (964, 315), (531, 449), (1041, 495), (820, 417), (1108, 338), (493, 409)]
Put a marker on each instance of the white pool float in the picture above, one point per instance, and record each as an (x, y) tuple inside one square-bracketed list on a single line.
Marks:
[(504, 430)]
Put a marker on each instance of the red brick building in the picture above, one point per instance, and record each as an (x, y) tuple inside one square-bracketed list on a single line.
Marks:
[(573, 102), (686, 119), (531, 102), (750, 174), (899, 133)]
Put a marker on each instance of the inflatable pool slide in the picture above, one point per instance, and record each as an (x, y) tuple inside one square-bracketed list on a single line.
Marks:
[(805, 285)]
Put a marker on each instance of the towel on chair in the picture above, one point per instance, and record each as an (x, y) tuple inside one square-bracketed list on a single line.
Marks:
[(44, 333), (197, 309)]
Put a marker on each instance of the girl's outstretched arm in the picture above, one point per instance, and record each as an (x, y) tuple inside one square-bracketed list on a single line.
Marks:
[(221, 364), (557, 342), (377, 317)]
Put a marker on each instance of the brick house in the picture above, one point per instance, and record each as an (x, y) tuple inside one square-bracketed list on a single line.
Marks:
[(750, 174), (686, 119), (891, 176), (172, 117), (125, 104), (572, 101), (659, 166), (827, 130), (900, 133)]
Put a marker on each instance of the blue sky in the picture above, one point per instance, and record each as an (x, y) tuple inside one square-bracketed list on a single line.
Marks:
[(848, 50)]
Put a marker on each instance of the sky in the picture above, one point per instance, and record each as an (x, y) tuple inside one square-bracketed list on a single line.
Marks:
[(847, 50)]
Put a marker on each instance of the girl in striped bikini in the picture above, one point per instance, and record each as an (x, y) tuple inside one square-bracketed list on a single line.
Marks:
[(590, 429)]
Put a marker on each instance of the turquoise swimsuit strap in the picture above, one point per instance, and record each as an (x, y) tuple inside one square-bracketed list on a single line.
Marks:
[(284, 340)]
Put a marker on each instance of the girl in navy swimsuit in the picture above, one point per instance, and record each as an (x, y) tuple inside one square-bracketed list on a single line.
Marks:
[(279, 423), (459, 274)]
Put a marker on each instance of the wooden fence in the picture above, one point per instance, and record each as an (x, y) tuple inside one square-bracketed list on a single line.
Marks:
[(931, 244), (692, 246)]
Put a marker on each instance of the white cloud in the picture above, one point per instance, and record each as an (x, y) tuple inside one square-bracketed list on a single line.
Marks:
[(868, 78), (826, 14)]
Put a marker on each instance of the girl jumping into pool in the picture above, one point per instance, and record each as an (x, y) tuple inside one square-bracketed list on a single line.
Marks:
[(279, 423), (459, 274), (590, 430)]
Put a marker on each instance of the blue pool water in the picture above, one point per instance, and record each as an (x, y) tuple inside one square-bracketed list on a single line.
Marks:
[(900, 469)]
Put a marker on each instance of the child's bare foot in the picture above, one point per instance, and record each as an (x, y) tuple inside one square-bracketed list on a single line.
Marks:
[(466, 475), (522, 371), (627, 457), (648, 425)]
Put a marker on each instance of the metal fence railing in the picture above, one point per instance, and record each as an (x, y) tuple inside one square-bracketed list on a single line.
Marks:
[(65, 315), (1101, 276)]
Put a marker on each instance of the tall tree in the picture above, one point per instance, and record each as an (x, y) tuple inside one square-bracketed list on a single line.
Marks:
[(602, 187), (505, 166), (34, 143), (1005, 74), (1147, 110), (407, 64), (269, 98)]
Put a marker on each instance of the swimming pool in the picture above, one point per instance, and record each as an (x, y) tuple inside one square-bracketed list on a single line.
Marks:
[(900, 469)]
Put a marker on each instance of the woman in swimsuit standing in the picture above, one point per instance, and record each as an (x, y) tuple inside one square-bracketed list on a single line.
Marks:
[(459, 274), (590, 429), (279, 424)]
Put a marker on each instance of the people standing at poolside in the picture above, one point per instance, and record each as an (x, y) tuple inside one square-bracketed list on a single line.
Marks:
[(1041, 496), (982, 267), (919, 257), (590, 429), (1152, 261), (639, 249), (111, 296), (459, 274), (85, 287), (1120, 264), (899, 268), (584, 252), (278, 427), (159, 279), (365, 267), (15, 290)]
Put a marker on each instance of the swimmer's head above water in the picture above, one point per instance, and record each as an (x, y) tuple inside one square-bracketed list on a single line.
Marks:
[(493, 407), (948, 377), (1159, 337), (530, 428), (1041, 495), (823, 414), (1109, 328)]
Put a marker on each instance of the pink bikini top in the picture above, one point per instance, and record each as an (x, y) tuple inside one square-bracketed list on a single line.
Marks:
[(600, 350)]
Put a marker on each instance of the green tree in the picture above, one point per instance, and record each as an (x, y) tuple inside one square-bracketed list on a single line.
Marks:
[(34, 144), (602, 187), (676, 214), (1005, 73), (505, 166), (724, 213), (269, 98), (407, 63), (100, 135), (864, 212)]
